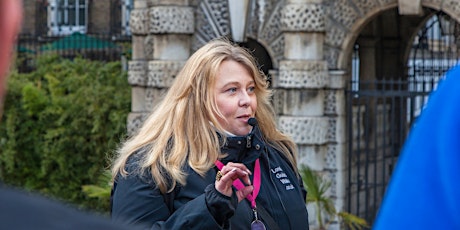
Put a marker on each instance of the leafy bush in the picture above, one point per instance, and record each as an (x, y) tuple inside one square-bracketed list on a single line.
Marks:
[(60, 125)]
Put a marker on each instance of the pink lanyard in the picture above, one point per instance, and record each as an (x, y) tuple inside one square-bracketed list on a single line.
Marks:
[(239, 185)]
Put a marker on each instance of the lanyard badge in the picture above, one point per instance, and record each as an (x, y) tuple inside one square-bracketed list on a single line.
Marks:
[(256, 223)]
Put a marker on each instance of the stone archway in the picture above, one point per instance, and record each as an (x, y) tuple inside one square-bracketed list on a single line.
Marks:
[(212, 21), (383, 55)]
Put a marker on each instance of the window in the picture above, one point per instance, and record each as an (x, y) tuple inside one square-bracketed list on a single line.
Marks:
[(125, 15), (67, 16)]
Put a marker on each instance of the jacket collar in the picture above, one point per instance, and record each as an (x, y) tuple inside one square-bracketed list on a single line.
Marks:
[(243, 149)]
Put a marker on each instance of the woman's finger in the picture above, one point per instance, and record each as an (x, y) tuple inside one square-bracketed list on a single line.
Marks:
[(230, 166)]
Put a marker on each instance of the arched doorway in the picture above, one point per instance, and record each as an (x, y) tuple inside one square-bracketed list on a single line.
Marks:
[(393, 71), (260, 53)]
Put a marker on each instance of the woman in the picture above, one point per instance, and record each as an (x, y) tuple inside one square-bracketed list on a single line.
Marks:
[(182, 169)]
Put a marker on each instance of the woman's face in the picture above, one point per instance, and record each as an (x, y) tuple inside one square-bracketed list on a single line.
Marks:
[(235, 97)]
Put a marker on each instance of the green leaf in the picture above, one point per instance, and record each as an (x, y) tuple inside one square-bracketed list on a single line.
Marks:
[(352, 221), (316, 194), (96, 191)]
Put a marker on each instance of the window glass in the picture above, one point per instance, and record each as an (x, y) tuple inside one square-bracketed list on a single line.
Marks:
[(67, 16), (126, 12)]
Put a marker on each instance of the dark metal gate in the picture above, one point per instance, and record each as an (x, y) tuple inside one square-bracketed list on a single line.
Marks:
[(381, 112)]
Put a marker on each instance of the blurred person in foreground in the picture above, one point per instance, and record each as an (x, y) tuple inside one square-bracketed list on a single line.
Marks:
[(210, 155), (424, 191), (10, 22), (19, 209)]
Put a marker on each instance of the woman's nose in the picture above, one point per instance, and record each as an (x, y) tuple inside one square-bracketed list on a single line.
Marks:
[(245, 99)]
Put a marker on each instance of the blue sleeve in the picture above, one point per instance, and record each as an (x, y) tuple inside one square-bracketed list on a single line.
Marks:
[(425, 187)]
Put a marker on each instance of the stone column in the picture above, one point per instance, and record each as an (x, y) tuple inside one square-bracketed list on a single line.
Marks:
[(311, 102), (159, 51), (137, 67), (302, 78)]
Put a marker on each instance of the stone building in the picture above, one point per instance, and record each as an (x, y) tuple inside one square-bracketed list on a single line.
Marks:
[(312, 49), (63, 17)]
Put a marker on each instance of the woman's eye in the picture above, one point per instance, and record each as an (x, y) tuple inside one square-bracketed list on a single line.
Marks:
[(251, 89), (231, 90)]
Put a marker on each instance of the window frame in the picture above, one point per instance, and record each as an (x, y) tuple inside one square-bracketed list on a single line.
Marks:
[(53, 18), (126, 9)]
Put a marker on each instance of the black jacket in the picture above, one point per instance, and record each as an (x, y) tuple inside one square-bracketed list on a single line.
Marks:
[(198, 205)]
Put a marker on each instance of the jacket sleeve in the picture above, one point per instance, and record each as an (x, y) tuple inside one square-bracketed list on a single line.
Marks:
[(139, 203)]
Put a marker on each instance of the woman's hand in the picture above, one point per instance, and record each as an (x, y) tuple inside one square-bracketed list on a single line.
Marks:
[(230, 172)]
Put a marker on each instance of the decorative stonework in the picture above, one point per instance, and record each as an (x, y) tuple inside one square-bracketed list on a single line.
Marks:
[(336, 129), (218, 10), (342, 12), (153, 96), (162, 73), (302, 74), (452, 7), (366, 6), (336, 156), (436, 4), (171, 19), (137, 72), (303, 17), (334, 103), (332, 177), (135, 120), (276, 50), (335, 34), (331, 55), (148, 46), (260, 15), (138, 21), (271, 29), (212, 21), (305, 130), (253, 25)]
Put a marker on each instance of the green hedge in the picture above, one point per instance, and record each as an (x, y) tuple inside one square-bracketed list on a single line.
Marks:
[(60, 126)]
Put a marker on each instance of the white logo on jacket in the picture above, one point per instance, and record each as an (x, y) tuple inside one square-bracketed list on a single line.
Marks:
[(282, 177)]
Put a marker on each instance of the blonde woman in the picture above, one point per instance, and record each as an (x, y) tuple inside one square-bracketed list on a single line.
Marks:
[(210, 156)]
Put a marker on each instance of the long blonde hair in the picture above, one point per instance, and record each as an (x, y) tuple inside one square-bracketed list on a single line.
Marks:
[(181, 130)]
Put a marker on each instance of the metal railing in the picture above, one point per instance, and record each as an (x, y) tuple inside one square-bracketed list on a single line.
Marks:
[(380, 115), (94, 47)]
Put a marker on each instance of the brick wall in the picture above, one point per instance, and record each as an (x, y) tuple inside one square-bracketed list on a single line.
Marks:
[(99, 16)]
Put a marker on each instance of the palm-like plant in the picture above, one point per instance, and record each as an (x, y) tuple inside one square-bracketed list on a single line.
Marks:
[(101, 190), (317, 187)]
